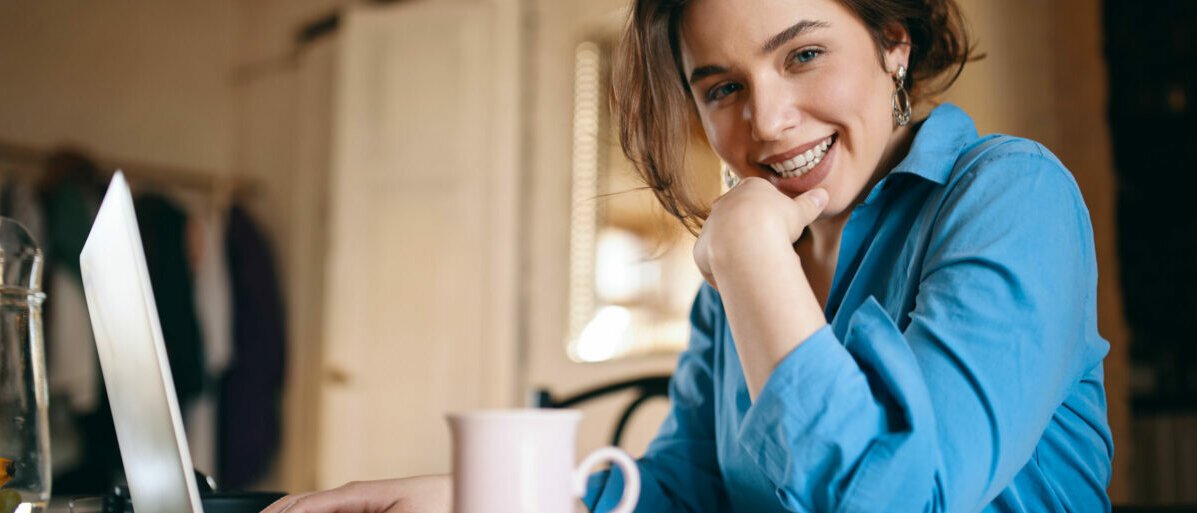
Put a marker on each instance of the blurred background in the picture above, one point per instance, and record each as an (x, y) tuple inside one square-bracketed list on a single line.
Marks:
[(361, 215)]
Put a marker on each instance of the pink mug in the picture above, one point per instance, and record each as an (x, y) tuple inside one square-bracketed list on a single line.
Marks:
[(522, 461)]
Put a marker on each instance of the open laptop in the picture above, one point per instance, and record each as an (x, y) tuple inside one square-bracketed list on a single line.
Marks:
[(145, 409)]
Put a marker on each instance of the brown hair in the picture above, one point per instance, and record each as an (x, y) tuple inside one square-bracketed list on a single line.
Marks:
[(654, 110)]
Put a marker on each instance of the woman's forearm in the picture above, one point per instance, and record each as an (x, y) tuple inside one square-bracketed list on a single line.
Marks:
[(770, 306)]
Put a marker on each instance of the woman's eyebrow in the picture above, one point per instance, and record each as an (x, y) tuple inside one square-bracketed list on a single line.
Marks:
[(704, 72), (791, 33), (780, 39)]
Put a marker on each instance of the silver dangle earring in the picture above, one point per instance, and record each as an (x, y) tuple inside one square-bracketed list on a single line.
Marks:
[(901, 100), (729, 179)]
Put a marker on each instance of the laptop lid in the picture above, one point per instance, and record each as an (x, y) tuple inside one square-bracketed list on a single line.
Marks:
[(132, 355)]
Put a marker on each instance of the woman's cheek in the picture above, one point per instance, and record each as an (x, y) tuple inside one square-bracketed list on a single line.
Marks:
[(715, 126), (840, 96)]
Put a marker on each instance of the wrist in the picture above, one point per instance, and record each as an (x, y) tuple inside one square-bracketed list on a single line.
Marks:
[(755, 248)]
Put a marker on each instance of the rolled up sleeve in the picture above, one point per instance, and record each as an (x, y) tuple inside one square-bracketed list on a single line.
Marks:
[(941, 414)]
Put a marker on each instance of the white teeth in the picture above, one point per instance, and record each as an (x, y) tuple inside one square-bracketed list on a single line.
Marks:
[(804, 162)]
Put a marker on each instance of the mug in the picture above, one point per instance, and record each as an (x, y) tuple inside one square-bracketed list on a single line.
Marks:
[(522, 461)]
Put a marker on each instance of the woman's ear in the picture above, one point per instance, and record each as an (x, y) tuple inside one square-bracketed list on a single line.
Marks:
[(899, 53)]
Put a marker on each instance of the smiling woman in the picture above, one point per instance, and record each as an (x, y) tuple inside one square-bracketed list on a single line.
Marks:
[(884, 326)]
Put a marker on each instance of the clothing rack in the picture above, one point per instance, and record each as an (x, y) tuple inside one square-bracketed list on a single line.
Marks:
[(29, 160)]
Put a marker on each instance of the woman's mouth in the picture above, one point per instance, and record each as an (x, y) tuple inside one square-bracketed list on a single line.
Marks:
[(798, 165)]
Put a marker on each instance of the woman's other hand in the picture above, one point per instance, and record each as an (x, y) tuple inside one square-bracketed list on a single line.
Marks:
[(424, 494), (751, 222)]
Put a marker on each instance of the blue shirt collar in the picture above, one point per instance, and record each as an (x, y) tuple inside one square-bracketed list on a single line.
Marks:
[(938, 143), (945, 133)]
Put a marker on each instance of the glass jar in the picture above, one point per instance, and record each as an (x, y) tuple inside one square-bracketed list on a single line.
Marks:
[(24, 426)]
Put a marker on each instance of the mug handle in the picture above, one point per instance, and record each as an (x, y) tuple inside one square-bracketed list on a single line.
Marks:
[(631, 476)]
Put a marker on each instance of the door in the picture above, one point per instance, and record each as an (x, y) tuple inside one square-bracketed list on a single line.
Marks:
[(419, 316)]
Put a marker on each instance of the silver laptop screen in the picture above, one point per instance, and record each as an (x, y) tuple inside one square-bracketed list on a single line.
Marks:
[(133, 359)]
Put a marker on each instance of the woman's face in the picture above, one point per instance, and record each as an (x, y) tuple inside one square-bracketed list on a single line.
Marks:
[(791, 91)]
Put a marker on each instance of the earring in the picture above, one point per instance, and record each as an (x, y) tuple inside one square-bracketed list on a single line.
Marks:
[(901, 100), (729, 179)]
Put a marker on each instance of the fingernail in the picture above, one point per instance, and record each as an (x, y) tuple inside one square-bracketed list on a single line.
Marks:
[(818, 197)]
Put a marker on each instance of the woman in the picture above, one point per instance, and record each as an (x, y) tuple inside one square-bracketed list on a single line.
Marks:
[(898, 316)]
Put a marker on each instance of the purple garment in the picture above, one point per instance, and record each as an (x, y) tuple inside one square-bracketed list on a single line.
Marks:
[(251, 390)]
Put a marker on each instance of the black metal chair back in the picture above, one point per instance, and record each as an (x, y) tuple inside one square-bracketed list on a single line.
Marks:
[(646, 388)]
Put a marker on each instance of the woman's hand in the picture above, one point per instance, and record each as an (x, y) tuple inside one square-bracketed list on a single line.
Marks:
[(752, 219), (746, 251), (424, 494)]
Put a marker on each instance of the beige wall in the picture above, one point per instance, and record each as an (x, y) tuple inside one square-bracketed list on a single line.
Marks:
[(142, 81)]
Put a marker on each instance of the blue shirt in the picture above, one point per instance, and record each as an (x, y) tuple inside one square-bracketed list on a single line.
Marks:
[(961, 369)]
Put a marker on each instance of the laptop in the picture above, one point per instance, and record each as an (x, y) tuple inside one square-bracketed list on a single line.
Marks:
[(145, 409)]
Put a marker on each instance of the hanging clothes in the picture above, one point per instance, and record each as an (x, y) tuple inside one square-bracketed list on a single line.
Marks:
[(73, 367), (70, 197), (213, 302), (213, 296), (163, 229), (251, 390)]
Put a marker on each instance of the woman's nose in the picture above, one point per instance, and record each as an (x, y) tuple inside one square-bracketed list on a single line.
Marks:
[(771, 111)]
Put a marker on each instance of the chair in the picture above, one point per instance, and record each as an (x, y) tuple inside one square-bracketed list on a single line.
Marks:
[(646, 388)]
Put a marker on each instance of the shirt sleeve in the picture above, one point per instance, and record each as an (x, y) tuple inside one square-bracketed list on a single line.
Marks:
[(942, 415), (679, 471)]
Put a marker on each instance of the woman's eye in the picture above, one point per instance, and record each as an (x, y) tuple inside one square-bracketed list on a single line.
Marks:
[(805, 56), (722, 90)]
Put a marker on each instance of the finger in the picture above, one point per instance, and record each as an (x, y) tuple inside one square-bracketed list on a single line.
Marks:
[(710, 278), (701, 255), (284, 503), (808, 206), (317, 502), (342, 499)]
